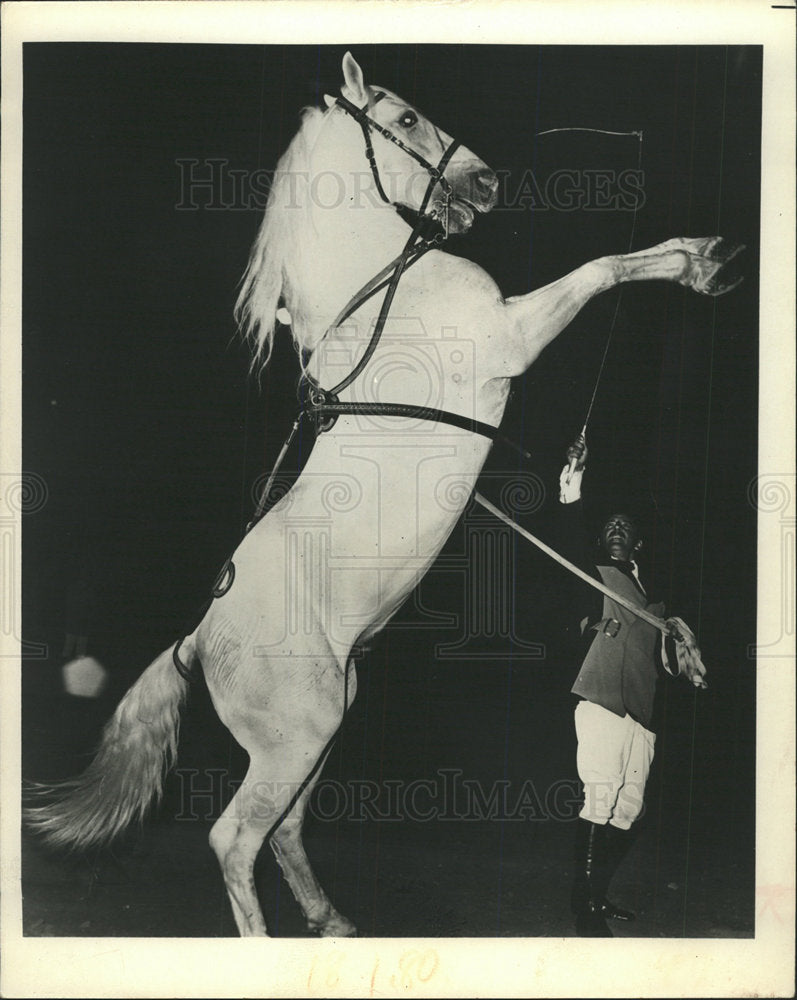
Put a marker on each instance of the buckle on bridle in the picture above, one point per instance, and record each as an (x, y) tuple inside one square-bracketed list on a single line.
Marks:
[(316, 397), (441, 217)]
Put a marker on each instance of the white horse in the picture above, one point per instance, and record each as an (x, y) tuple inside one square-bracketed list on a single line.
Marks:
[(340, 552)]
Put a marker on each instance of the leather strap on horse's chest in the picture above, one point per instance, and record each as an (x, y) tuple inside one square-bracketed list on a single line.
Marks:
[(412, 411)]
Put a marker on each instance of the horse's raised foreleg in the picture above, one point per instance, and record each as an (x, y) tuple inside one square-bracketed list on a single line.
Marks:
[(705, 265), (286, 842), (539, 317)]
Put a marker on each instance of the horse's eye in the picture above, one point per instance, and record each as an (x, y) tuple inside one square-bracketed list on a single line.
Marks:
[(408, 119)]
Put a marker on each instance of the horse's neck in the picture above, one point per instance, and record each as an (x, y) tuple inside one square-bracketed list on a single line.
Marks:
[(354, 235), (350, 250)]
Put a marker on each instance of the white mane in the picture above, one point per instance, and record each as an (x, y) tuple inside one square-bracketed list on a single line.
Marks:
[(284, 235)]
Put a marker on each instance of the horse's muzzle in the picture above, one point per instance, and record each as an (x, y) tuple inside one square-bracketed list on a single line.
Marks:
[(485, 185), (477, 185)]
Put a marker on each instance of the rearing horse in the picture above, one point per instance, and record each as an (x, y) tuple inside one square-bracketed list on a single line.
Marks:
[(338, 554)]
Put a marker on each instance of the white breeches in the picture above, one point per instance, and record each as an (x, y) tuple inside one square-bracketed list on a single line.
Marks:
[(613, 759)]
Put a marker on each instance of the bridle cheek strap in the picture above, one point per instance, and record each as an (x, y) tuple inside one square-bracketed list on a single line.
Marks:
[(437, 173), (366, 123)]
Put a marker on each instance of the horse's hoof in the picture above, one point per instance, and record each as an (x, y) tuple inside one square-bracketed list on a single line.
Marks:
[(339, 931), (718, 271), (725, 250), (728, 275), (719, 288), (336, 926)]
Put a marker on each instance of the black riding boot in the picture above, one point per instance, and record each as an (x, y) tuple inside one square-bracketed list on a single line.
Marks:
[(587, 896), (618, 843)]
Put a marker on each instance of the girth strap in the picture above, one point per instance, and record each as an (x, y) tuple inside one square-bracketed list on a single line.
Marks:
[(412, 411)]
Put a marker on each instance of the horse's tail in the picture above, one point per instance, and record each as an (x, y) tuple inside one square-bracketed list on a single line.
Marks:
[(138, 746)]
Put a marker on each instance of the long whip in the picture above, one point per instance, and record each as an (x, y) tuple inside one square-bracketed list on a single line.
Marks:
[(581, 438)]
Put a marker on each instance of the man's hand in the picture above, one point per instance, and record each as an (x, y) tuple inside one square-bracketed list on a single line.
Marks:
[(687, 650), (570, 478), (578, 452)]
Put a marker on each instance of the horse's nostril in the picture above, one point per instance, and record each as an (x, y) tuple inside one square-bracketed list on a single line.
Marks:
[(487, 181)]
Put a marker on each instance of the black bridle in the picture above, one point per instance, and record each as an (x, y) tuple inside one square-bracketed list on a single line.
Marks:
[(428, 231), (436, 173), (417, 245)]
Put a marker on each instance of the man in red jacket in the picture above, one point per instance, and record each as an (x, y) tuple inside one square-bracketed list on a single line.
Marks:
[(616, 716)]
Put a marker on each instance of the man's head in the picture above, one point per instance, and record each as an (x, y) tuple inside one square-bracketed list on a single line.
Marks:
[(620, 537)]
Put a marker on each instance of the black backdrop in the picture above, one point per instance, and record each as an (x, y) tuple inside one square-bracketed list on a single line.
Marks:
[(140, 415)]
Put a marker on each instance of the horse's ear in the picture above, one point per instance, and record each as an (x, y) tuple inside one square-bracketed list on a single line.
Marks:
[(353, 83), (329, 101)]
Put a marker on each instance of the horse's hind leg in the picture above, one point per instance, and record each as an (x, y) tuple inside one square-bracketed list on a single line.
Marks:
[(267, 792), (276, 788), (286, 842), (236, 838), (238, 835)]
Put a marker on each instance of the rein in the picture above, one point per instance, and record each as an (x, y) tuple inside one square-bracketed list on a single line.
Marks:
[(651, 619)]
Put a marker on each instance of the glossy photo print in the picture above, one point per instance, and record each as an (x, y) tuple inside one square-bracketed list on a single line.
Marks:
[(391, 496)]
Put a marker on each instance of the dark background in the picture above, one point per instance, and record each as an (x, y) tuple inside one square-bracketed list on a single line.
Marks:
[(140, 415)]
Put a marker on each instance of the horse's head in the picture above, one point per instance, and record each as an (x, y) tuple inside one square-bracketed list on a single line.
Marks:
[(407, 149), (375, 149)]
